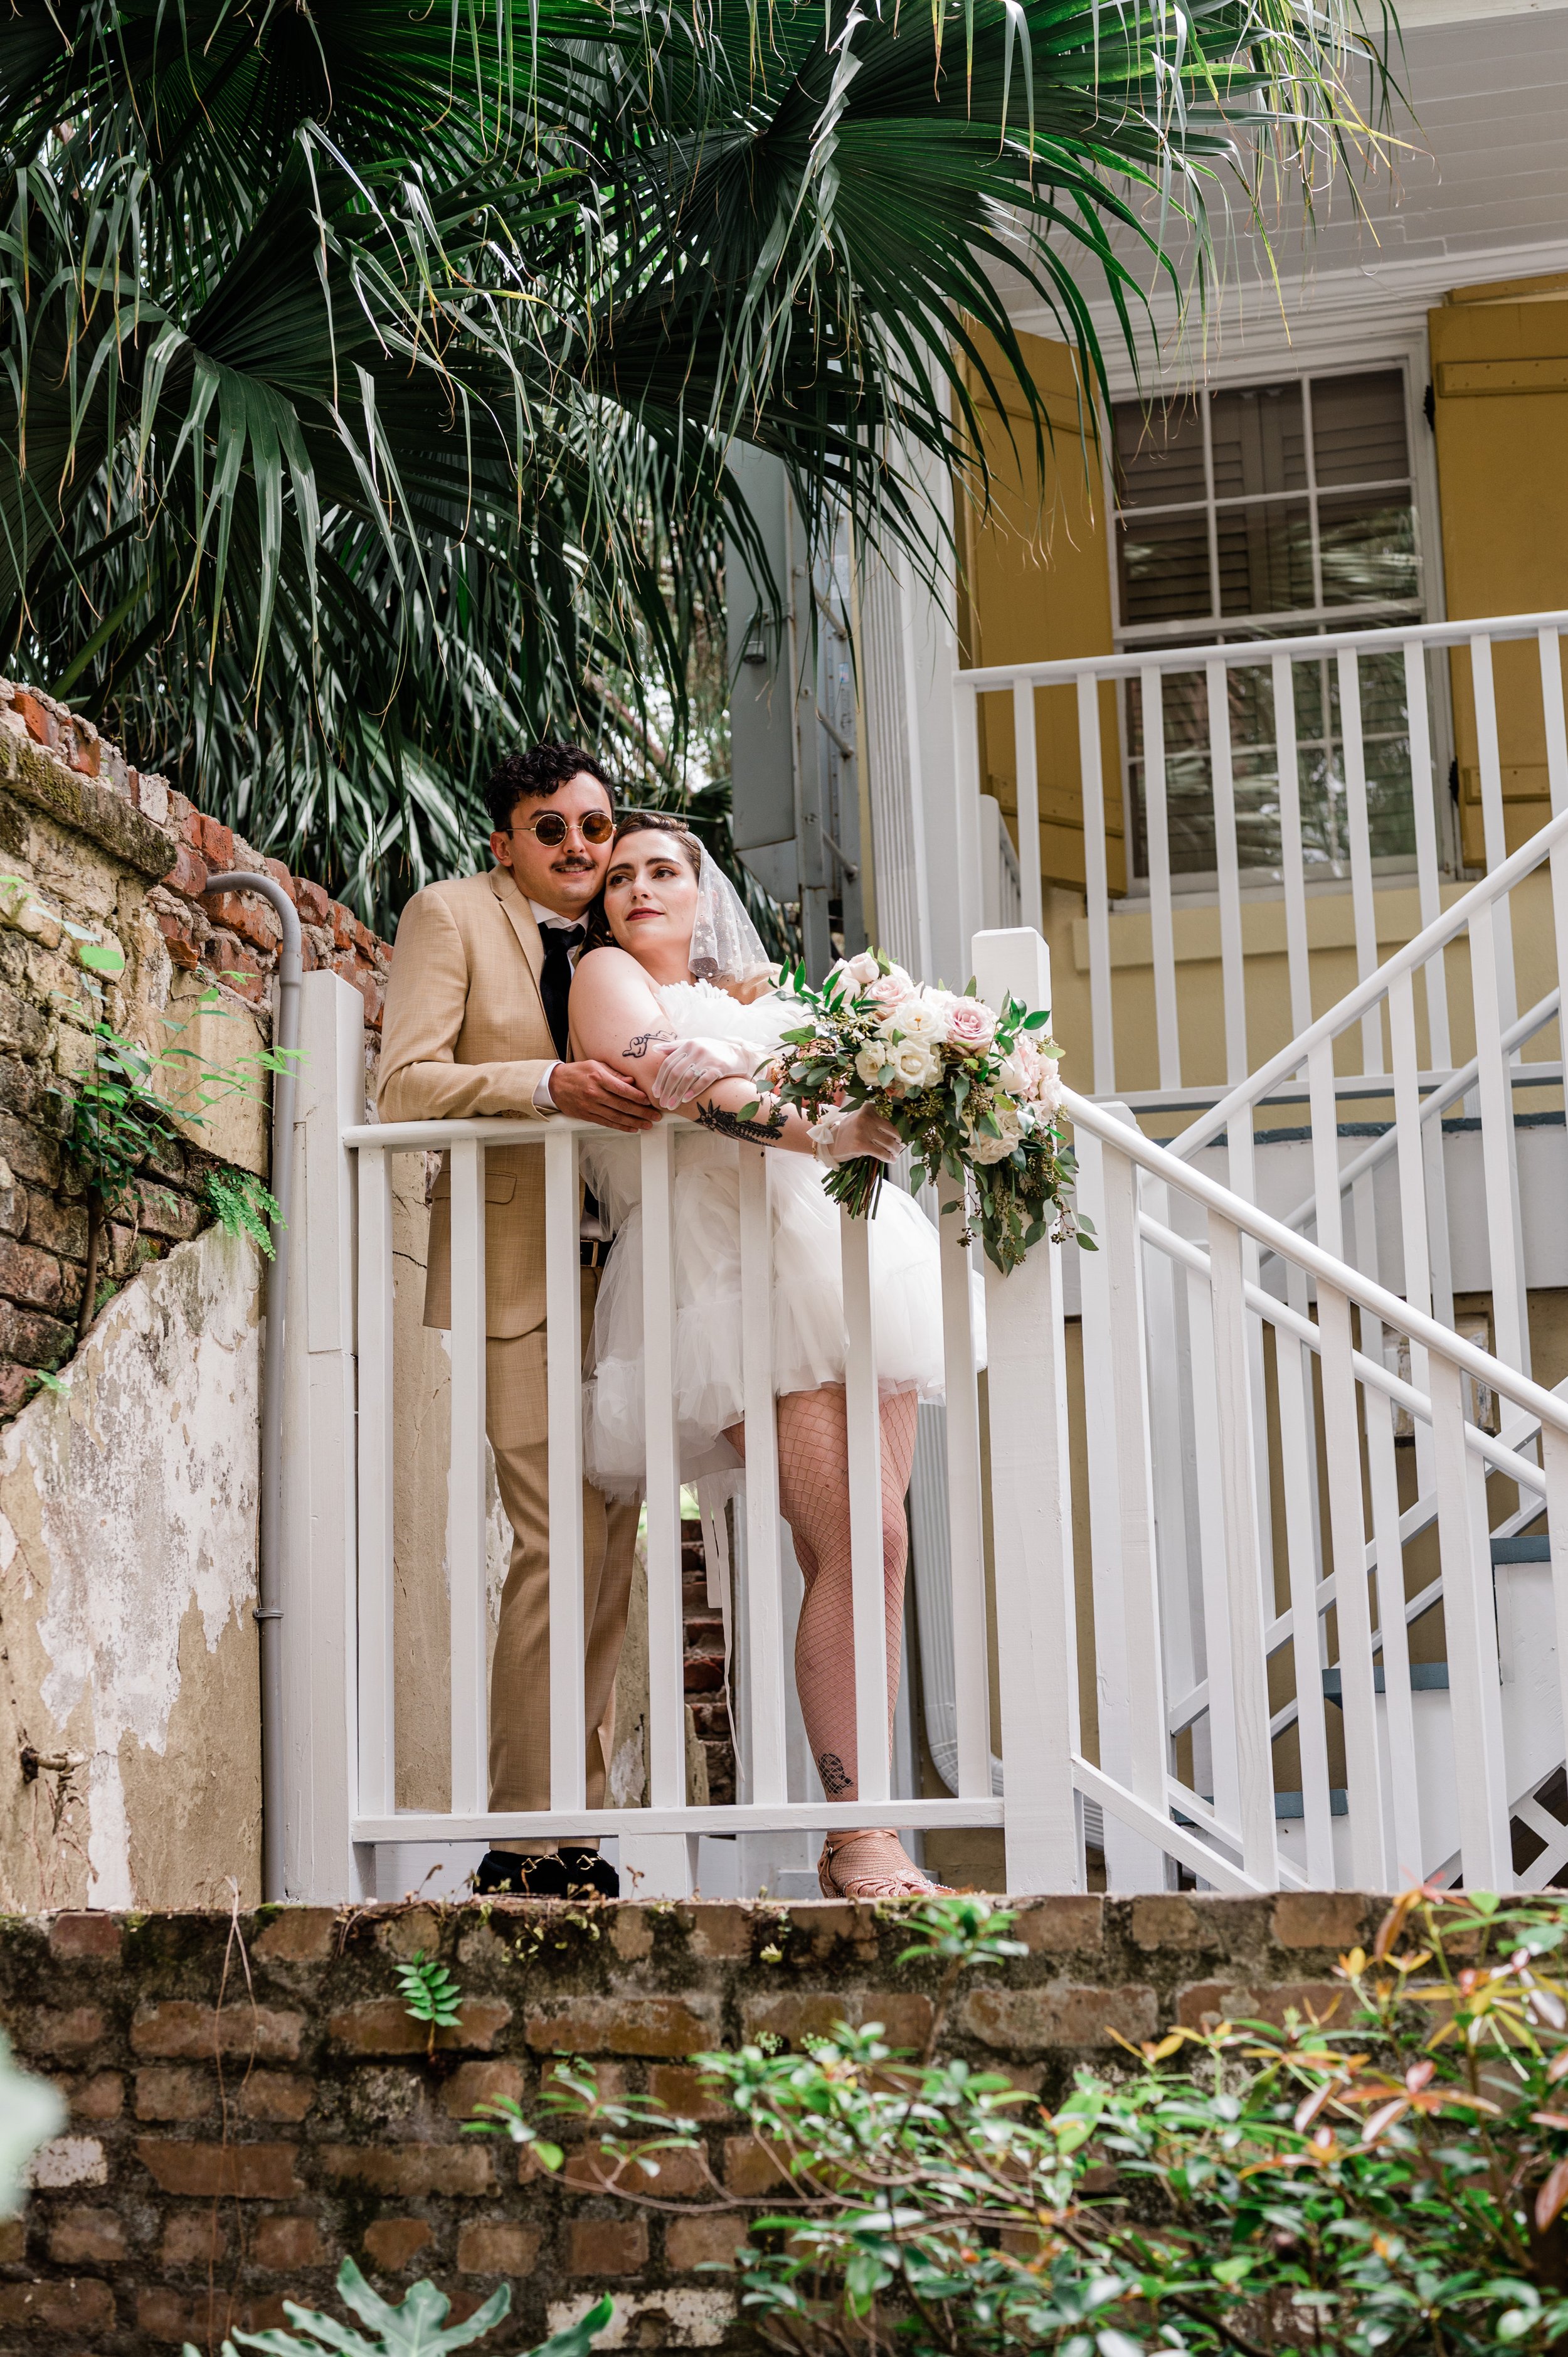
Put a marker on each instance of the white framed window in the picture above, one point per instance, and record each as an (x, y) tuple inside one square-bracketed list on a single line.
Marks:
[(1271, 510)]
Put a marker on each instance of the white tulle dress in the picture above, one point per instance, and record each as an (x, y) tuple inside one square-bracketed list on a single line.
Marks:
[(808, 1339)]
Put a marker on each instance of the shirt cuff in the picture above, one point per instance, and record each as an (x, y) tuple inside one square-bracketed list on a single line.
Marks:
[(543, 1100)]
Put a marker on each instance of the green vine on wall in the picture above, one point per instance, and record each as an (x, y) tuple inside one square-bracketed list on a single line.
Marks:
[(121, 1115)]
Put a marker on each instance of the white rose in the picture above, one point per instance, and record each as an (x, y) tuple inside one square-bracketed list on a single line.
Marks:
[(870, 1063), (914, 1064), (984, 1147), (1015, 1076), (861, 969), (919, 1018)]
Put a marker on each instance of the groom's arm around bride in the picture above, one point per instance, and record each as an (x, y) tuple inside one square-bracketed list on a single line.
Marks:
[(476, 1024)]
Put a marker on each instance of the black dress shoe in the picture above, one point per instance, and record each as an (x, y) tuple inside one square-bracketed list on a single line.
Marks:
[(589, 1875), (540, 1874)]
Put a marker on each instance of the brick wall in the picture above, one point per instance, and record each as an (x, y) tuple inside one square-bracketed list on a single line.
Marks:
[(96, 857), (250, 2101)]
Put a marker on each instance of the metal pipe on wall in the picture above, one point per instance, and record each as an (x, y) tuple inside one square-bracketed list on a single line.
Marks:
[(269, 1607)]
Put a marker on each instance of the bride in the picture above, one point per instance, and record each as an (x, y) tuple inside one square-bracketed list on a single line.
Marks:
[(672, 989)]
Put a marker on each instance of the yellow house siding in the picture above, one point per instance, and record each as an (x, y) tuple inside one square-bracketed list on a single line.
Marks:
[(1499, 375), (1038, 589)]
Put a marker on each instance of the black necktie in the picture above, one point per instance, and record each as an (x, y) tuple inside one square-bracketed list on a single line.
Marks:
[(556, 978)]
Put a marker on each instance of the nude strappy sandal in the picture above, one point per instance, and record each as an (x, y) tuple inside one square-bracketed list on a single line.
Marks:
[(884, 1872)]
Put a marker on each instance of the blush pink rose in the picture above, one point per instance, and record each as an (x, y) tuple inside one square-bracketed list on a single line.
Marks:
[(888, 989), (971, 1024)]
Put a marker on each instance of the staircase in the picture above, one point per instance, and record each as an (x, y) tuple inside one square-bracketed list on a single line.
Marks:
[(1308, 1346)]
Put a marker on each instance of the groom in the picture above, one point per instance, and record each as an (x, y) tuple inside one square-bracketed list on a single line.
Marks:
[(475, 1024)]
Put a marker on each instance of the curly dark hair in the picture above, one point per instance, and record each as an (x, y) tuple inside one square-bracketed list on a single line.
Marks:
[(542, 769)]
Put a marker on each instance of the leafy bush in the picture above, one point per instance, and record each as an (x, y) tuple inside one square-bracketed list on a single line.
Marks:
[(1391, 2178), (414, 2327)]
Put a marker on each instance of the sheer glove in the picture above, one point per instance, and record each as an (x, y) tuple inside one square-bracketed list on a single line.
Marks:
[(693, 1065), (845, 1136)]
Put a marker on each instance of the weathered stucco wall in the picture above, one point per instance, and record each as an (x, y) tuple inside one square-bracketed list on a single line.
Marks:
[(129, 1686), (129, 1702)]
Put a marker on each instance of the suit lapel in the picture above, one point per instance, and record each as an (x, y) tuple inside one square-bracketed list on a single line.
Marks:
[(523, 922)]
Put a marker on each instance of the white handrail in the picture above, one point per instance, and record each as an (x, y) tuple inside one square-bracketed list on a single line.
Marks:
[(1062, 671), (1374, 988), (1322, 1267)]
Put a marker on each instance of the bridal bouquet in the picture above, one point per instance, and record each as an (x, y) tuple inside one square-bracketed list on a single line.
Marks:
[(974, 1094)]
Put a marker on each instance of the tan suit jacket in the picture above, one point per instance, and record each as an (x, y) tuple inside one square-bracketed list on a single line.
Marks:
[(464, 1034)]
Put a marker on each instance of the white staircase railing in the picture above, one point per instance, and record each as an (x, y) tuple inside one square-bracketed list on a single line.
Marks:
[(1270, 1705), (1358, 679), (1260, 1719)]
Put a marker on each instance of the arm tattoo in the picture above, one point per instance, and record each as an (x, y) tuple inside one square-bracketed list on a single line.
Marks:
[(635, 1049), (749, 1133)]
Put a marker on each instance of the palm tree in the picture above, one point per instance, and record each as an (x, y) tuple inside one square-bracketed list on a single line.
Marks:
[(368, 371)]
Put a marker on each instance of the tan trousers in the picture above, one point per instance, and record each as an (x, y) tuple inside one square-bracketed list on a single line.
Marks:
[(517, 1419)]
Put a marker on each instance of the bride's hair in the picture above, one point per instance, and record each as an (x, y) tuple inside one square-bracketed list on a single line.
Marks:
[(598, 935)]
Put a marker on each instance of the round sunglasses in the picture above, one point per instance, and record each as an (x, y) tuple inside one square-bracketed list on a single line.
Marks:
[(551, 828)]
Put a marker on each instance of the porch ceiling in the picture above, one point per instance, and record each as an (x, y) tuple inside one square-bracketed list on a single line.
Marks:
[(1479, 192)]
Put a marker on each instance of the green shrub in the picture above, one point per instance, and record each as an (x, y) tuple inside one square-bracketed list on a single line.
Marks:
[(1389, 2178), (414, 2327)]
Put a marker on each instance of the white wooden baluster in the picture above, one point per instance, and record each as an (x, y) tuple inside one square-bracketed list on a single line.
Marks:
[(1554, 1463), (1358, 828), (1091, 774), (1412, 1165), (1470, 1624), (1142, 1736), (764, 1611), (1324, 1107), (1428, 874), (1224, 1762), (1500, 1163), (1293, 860), (563, 1392), (965, 1547), (1031, 1514), (1028, 804), (1399, 1712), (1494, 826), (1557, 773), (865, 1435), (1164, 1322), (1299, 1498), (1228, 862), (661, 1865), (1130, 1862), (378, 1713), (466, 1515), (1347, 1533), (1157, 843), (1243, 1589)]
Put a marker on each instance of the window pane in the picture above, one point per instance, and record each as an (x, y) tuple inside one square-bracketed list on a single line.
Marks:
[(1165, 568), (1358, 427), (1159, 454), (1259, 443), (1265, 558), (1369, 550)]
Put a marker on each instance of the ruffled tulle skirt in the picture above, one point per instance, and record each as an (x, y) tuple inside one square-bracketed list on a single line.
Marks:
[(809, 1337)]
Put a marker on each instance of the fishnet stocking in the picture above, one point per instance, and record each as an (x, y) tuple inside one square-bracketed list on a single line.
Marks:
[(813, 1497)]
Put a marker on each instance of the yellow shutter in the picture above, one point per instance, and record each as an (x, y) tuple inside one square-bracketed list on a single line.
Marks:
[(1500, 378), (1038, 587)]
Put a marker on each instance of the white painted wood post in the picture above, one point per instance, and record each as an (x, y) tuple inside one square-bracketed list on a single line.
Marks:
[(1129, 1684), (1031, 1514), (661, 1865), (321, 1864)]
